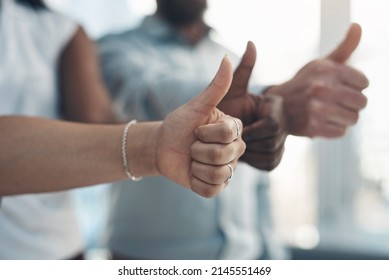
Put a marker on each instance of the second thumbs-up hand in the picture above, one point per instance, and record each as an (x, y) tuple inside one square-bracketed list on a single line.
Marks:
[(262, 116), (325, 96)]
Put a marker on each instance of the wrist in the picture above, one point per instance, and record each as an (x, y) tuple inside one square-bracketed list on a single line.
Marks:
[(141, 149), (279, 91), (274, 90)]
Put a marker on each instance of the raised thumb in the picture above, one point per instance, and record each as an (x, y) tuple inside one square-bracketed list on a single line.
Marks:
[(243, 72), (345, 49), (207, 101)]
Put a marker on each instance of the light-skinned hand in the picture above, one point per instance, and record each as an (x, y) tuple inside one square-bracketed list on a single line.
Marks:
[(197, 141)]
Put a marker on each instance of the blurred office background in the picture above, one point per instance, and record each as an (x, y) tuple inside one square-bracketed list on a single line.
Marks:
[(330, 197)]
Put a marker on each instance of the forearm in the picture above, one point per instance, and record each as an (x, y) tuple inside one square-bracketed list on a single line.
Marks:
[(42, 155)]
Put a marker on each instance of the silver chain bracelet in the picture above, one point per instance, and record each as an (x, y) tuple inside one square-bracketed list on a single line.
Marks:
[(124, 152)]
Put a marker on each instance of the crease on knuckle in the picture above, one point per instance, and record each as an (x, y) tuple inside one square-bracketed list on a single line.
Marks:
[(322, 67), (216, 156), (272, 124), (354, 118), (209, 191), (341, 132), (270, 145), (242, 147), (229, 132), (272, 164), (215, 176), (318, 89)]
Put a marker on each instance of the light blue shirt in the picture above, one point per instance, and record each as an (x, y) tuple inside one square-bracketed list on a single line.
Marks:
[(150, 71)]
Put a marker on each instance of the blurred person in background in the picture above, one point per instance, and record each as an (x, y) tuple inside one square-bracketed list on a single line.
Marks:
[(173, 49)]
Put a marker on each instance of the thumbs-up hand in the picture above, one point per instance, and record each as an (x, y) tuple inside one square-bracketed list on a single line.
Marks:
[(262, 116), (325, 96), (198, 146)]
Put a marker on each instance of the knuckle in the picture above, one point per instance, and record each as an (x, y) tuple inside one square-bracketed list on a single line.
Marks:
[(216, 176), (310, 123), (311, 133), (354, 118), (202, 189), (209, 191), (311, 128), (363, 101), (231, 134), (228, 132), (242, 147), (322, 67), (192, 183), (268, 166), (318, 89), (272, 124), (269, 145), (273, 160), (341, 132), (240, 124), (315, 110), (272, 164), (335, 133), (365, 82), (216, 156)]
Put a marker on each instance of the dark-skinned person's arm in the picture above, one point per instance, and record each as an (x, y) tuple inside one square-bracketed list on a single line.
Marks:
[(84, 97)]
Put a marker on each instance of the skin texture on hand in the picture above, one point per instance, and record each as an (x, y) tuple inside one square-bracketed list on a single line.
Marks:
[(197, 141), (262, 116), (325, 96)]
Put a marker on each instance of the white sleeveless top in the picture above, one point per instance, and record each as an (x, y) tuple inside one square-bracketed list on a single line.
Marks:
[(42, 226)]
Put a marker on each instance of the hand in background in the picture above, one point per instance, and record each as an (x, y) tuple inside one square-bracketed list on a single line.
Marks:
[(196, 142), (325, 96), (262, 116)]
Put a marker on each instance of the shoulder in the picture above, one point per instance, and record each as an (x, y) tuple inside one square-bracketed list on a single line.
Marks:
[(122, 45), (39, 17), (43, 23), (59, 27), (126, 38)]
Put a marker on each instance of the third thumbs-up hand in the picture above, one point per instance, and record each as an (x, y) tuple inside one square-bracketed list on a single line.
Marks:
[(325, 96), (198, 146)]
